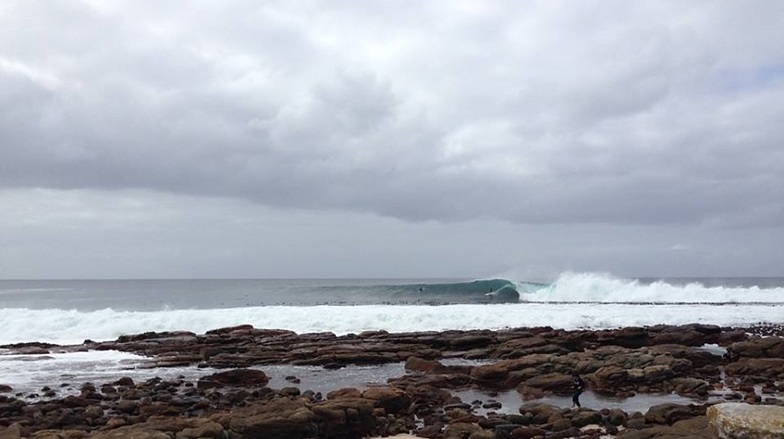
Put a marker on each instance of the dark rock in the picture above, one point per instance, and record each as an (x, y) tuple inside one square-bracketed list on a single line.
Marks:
[(556, 382), (237, 377), (670, 413), (527, 432), (390, 399), (277, 419)]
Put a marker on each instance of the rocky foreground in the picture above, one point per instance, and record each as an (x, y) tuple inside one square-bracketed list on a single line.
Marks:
[(236, 403)]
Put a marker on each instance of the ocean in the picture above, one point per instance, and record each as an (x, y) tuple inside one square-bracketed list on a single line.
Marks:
[(70, 311)]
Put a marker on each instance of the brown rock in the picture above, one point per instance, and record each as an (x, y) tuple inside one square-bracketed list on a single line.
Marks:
[(470, 341), (417, 364), (131, 432), (460, 430), (345, 418), (208, 430), (390, 399), (277, 419), (767, 347), (236, 377), (670, 413), (348, 392), (13, 431), (527, 432), (555, 382), (490, 374), (762, 367)]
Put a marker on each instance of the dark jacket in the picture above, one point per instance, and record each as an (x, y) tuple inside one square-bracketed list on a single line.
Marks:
[(578, 384)]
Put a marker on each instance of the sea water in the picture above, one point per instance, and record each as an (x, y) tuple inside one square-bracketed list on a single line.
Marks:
[(71, 311)]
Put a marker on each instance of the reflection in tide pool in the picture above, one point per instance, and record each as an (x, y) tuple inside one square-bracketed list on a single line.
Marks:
[(511, 400), (66, 372)]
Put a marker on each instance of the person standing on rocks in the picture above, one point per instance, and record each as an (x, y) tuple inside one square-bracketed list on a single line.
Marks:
[(578, 385)]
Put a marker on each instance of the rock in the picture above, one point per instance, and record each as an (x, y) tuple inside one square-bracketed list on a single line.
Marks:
[(763, 367), (529, 393), (669, 413), (416, 364), (765, 347), (236, 377), (586, 417), (131, 432), (208, 430), (561, 425), (231, 329), (693, 386), (556, 382), (59, 434), (470, 341), (630, 337), (527, 432), (124, 381), (344, 418), (540, 412), (617, 417), (390, 399), (489, 374), (460, 430), (347, 392), (14, 431), (744, 421), (683, 335), (277, 419)]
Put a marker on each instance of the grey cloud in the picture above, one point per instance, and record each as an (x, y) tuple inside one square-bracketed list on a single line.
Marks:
[(532, 113)]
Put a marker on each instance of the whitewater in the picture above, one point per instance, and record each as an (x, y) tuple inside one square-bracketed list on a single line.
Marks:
[(71, 312), (65, 312)]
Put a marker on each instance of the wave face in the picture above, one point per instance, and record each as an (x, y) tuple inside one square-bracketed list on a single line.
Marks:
[(478, 291)]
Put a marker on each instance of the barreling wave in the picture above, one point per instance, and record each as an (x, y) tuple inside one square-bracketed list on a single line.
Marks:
[(477, 291), (603, 288)]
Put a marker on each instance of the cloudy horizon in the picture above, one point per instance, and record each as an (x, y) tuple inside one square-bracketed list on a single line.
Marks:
[(144, 139)]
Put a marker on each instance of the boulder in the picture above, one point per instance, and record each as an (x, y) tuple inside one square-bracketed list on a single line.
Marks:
[(527, 432), (277, 419), (489, 374), (344, 418), (416, 364), (761, 367), (766, 347), (460, 430), (131, 432), (555, 382), (738, 420), (13, 431), (236, 377), (207, 430), (670, 413), (390, 399)]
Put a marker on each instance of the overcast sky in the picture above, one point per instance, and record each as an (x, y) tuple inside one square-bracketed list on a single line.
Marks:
[(391, 138)]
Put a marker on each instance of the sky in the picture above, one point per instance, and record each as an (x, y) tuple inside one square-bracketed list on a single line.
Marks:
[(388, 138)]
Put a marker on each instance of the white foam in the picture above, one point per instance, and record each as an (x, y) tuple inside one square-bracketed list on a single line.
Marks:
[(603, 288), (73, 327)]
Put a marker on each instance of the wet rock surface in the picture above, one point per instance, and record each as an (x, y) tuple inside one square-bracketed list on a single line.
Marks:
[(237, 402)]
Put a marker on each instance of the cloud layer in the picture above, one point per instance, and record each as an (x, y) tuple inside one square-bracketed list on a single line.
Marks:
[(542, 112)]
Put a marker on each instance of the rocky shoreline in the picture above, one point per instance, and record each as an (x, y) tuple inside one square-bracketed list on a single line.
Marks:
[(705, 363)]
